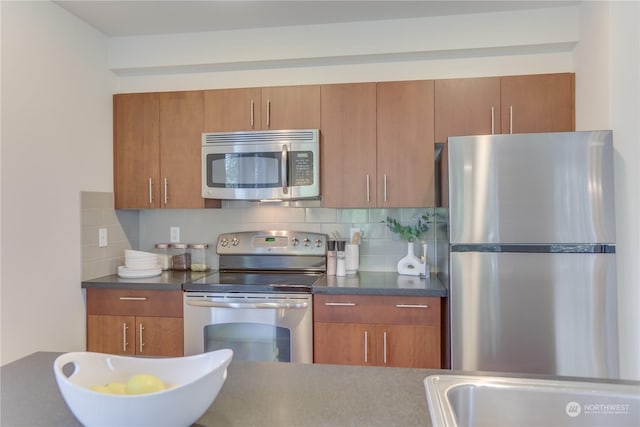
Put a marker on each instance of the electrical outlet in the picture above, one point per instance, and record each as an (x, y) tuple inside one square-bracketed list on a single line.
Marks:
[(174, 235), (102, 237)]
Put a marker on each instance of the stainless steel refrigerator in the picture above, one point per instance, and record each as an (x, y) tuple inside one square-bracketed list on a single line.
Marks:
[(532, 254)]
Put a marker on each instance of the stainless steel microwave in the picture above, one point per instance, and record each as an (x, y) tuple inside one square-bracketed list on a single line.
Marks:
[(261, 165)]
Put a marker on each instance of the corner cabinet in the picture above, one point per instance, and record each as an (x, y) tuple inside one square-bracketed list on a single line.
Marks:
[(157, 140), (377, 145), (135, 322), (377, 331), (269, 108)]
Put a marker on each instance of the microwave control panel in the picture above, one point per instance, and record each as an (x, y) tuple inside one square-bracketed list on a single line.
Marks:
[(301, 170)]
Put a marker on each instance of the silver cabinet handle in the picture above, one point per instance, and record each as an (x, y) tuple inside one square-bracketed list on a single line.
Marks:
[(268, 112), (384, 354), (285, 165), (140, 340), (511, 119), (340, 304), (133, 298), (166, 188), (366, 345), (493, 122), (251, 113), (412, 306), (385, 187), (150, 191), (124, 336), (368, 190)]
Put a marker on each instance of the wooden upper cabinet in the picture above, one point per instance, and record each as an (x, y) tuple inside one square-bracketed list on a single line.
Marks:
[(157, 140), (286, 107), (181, 127), (348, 145), (405, 145), (291, 107), (467, 107), (136, 150), (538, 103), (228, 110)]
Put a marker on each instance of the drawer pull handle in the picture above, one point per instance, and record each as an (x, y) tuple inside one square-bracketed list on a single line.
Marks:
[(124, 337), (412, 306), (141, 340), (133, 298), (366, 347), (340, 304)]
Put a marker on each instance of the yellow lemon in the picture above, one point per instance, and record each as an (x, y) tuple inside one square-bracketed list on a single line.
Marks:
[(117, 388), (100, 388), (144, 383)]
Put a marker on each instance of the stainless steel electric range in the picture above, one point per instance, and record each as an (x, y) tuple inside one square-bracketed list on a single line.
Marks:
[(259, 302)]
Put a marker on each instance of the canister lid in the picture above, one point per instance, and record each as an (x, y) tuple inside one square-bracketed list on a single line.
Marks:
[(180, 245), (200, 245), (162, 245)]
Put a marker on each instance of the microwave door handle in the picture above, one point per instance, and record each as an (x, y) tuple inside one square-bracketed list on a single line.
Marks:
[(285, 163)]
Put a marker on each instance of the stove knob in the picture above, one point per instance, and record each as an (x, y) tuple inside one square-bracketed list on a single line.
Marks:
[(224, 242), (306, 242), (295, 241), (318, 243), (235, 241)]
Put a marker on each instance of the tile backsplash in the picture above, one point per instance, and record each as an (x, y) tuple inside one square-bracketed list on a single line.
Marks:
[(380, 249), (96, 211)]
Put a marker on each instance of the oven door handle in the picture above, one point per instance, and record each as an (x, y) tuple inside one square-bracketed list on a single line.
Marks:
[(271, 305)]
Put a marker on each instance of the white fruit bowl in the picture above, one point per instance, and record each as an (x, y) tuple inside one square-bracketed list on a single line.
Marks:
[(194, 383)]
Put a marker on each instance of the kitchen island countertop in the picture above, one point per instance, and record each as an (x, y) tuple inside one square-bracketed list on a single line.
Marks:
[(254, 394)]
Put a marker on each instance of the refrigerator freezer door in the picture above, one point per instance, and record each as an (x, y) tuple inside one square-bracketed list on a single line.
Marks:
[(534, 313), (532, 188)]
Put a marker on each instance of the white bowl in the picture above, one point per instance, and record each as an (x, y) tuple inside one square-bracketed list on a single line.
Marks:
[(194, 384)]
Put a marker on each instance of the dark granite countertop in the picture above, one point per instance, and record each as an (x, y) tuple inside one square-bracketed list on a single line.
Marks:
[(167, 281), (254, 394), (380, 283), (362, 283)]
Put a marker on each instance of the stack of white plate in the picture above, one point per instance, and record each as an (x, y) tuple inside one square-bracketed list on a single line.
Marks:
[(139, 265)]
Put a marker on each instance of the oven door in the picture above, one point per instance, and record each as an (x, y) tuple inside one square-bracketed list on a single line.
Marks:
[(259, 327)]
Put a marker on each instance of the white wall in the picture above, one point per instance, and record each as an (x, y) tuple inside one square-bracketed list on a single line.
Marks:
[(421, 48), (56, 141), (607, 64)]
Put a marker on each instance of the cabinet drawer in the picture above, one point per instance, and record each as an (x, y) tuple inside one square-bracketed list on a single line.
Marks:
[(135, 302), (376, 309)]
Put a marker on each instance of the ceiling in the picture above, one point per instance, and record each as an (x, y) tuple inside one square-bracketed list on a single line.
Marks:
[(147, 17)]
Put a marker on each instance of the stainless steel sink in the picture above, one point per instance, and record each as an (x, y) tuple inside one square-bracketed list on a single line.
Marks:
[(469, 401)]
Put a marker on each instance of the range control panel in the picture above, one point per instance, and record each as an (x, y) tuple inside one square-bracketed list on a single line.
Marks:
[(272, 242)]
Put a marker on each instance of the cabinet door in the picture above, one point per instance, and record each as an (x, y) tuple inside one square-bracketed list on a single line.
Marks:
[(538, 103), (159, 336), (467, 107), (408, 346), (111, 334), (344, 343), (348, 145), (291, 107), (405, 146), (227, 110), (136, 150), (181, 127)]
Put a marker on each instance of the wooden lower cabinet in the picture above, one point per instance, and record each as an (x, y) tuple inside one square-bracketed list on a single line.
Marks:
[(377, 331), (135, 322)]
